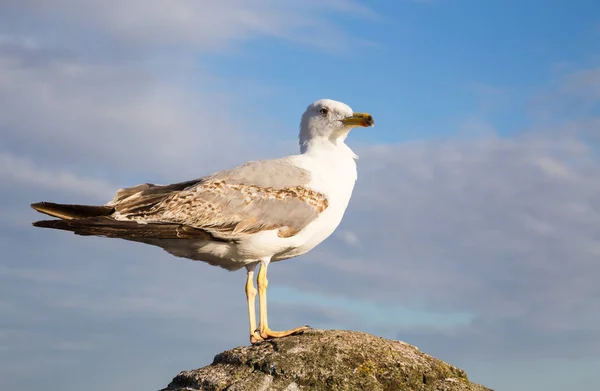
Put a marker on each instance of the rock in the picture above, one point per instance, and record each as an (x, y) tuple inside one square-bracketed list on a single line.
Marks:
[(325, 360)]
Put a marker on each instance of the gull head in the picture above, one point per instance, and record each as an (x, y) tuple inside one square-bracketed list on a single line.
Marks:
[(330, 121)]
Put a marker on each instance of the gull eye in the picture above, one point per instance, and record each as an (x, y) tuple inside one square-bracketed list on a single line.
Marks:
[(324, 111)]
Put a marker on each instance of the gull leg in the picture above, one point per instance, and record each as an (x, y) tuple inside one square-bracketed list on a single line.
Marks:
[(264, 330), (251, 298)]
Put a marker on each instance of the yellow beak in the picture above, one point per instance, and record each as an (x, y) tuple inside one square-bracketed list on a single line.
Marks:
[(359, 119)]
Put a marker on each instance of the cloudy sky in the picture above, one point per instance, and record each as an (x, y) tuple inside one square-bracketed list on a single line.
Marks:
[(473, 233)]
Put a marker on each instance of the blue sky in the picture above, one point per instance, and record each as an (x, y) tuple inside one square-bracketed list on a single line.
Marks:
[(412, 57), (472, 233)]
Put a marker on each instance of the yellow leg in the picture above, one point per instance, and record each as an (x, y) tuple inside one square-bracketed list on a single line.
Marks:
[(264, 330), (251, 298)]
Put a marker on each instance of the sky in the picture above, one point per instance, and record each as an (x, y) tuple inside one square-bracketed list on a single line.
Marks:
[(474, 228)]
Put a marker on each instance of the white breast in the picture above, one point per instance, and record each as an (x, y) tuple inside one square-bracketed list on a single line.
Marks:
[(333, 173)]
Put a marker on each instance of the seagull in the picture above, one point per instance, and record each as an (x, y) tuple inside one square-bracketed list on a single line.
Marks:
[(257, 213)]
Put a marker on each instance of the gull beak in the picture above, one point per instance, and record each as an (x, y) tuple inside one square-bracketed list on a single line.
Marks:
[(359, 119)]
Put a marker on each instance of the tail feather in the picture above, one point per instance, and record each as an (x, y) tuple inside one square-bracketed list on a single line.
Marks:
[(90, 220), (69, 212), (131, 230)]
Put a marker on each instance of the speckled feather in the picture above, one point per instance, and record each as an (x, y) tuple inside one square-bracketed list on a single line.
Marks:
[(260, 195)]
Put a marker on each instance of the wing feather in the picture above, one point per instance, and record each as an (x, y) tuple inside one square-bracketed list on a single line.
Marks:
[(261, 195)]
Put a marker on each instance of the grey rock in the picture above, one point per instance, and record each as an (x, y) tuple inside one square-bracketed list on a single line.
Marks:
[(325, 360)]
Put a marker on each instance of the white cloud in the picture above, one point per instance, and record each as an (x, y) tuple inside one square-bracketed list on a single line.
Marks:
[(506, 229), (122, 99), (574, 97), (350, 238), (503, 228), (196, 23), (69, 113), (22, 172)]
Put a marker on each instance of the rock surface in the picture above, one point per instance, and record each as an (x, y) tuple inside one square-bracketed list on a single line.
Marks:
[(325, 360)]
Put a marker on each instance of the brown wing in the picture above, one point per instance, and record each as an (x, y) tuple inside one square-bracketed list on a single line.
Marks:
[(230, 204), (261, 195), (230, 211)]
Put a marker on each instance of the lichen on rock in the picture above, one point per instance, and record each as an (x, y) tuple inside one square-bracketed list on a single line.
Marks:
[(325, 360)]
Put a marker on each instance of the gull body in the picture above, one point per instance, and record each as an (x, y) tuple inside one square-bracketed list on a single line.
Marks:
[(254, 214), (336, 183)]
